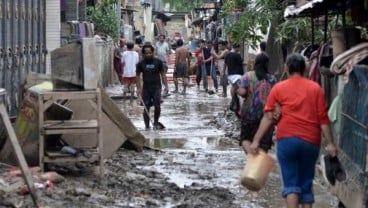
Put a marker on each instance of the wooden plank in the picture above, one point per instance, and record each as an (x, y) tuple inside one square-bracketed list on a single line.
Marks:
[(66, 95), (19, 154), (113, 136), (122, 121), (70, 131), (70, 124)]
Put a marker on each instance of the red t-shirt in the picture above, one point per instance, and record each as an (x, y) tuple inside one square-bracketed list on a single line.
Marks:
[(199, 56), (303, 109)]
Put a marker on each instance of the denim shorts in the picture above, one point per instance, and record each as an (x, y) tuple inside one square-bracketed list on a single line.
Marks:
[(297, 159)]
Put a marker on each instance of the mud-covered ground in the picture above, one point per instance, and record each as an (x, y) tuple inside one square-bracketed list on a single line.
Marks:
[(194, 162)]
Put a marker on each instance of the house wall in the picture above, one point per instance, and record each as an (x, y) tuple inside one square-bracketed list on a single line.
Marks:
[(143, 21), (52, 29)]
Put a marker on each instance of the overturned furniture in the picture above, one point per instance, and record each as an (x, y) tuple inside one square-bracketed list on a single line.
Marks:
[(74, 76), (74, 126)]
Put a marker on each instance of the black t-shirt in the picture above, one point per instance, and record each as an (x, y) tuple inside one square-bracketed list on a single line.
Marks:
[(151, 72), (234, 63)]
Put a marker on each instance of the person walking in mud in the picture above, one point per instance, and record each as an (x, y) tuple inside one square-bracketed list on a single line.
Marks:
[(254, 87), (182, 63), (198, 53), (162, 52), (129, 59), (210, 69), (151, 71), (220, 58), (118, 66), (234, 66), (303, 118)]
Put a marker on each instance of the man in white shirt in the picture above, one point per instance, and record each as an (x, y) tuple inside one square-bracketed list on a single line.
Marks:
[(162, 52), (130, 59)]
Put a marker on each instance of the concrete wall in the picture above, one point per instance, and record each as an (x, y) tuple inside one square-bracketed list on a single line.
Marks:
[(104, 61), (52, 29)]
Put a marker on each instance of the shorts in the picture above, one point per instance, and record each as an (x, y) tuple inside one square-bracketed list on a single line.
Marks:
[(152, 96), (297, 159), (249, 129), (221, 68), (166, 68), (129, 80), (181, 70), (234, 79)]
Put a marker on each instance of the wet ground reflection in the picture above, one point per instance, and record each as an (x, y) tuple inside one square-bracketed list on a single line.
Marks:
[(197, 154)]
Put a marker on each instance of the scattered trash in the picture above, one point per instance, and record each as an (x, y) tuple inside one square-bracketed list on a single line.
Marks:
[(52, 176), (47, 184)]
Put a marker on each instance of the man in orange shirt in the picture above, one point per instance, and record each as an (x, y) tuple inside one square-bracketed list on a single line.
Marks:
[(303, 118)]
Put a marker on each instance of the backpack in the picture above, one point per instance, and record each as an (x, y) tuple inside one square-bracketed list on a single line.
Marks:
[(257, 93)]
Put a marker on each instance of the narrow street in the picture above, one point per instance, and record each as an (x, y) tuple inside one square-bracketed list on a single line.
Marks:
[(198, 154), (194, 162)]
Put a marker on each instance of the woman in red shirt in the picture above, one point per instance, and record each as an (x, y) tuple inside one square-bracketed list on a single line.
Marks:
[(303, 118)]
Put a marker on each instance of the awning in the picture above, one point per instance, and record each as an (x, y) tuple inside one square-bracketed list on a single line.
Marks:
[(314, 7)]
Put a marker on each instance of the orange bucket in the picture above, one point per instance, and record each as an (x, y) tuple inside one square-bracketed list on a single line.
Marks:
[(256, 171)]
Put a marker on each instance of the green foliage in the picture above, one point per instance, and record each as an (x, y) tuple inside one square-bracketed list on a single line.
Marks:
[(256, 15), (183, 5), (251, 17), (105, 18), (296, 33)]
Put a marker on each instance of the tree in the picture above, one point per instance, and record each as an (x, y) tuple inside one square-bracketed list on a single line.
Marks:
[(105, 17), (252, 19)]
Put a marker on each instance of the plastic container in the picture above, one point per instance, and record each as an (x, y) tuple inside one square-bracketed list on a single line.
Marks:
[(256, 170), (69, 150)]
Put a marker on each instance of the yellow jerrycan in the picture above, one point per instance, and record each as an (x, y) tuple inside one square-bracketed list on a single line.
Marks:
[(256, 170)]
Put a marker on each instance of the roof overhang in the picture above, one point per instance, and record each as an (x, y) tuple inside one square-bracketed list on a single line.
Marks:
[(313, 8)]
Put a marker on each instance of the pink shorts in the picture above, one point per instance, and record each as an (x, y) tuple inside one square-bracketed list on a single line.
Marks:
[(129, 80)]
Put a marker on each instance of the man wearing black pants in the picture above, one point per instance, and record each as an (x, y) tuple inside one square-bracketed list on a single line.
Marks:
[(153, 73)]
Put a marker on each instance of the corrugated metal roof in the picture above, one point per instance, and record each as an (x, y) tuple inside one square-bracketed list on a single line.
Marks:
[(314, 7)]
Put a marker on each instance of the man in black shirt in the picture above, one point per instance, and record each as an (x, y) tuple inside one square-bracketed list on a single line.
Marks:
[(234, 65), (153, 73), (209, 67)]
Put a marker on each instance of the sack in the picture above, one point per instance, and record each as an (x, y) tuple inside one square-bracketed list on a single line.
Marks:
[(258, 91)]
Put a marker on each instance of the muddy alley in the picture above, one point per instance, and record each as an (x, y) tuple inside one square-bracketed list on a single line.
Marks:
[(199, 152), (194, 162)]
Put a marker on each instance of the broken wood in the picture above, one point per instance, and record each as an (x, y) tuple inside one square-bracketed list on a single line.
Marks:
[(19, 154), (122, 121)]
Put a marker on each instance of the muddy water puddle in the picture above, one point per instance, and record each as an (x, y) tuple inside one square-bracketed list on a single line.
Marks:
[(198, 155)]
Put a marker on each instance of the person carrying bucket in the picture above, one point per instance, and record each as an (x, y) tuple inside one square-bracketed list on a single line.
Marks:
[(303, 118)]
